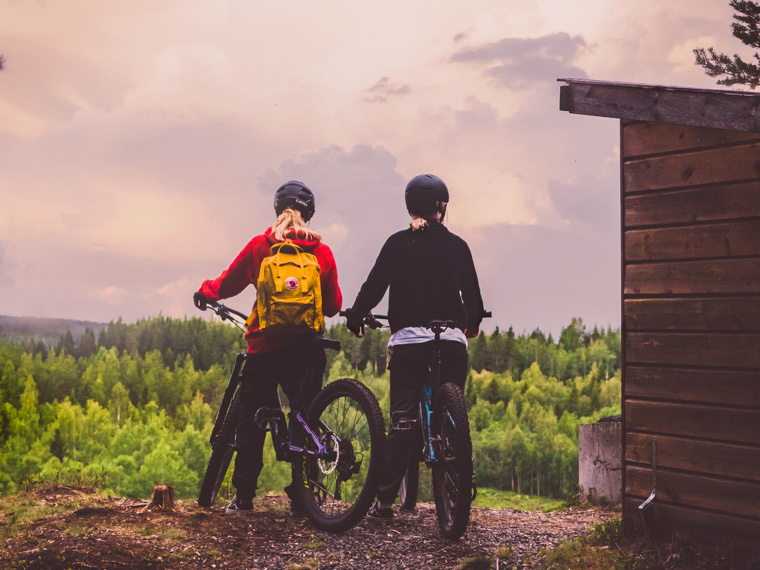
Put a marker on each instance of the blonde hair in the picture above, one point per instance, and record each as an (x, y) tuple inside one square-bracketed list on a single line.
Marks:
[(418, 222), (289, 219)]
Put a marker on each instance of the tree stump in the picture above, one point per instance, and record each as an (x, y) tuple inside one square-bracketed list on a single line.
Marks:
[(162, 498)]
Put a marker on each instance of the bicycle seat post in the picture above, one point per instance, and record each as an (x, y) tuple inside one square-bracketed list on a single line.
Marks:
[(435, 383)]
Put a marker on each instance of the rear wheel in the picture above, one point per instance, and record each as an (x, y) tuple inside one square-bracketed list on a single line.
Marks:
[(452, 471), (221, 455), (337, 489)]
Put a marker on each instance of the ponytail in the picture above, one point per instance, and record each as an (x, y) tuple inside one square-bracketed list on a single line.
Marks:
[(291, 218)]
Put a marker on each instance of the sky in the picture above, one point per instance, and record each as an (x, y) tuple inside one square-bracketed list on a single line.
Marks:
[(141, 142)]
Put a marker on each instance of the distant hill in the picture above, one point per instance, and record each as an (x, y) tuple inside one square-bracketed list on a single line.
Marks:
[(49, 331)]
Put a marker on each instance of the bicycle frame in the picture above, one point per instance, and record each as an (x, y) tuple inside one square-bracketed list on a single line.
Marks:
[(227, 314), (429, 392)]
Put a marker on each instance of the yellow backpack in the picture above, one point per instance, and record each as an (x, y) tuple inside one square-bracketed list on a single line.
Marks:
[(289, 293)]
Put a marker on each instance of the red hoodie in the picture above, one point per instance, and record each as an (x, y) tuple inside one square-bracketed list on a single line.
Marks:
[(244, 271)]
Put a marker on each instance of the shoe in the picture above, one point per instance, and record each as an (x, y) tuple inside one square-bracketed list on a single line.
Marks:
[(240, 507), (378, 514), (296, 509)]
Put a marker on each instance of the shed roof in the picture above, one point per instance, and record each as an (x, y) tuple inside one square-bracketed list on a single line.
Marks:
[(715, 108)]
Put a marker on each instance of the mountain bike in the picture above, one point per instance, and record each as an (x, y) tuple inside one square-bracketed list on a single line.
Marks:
[(335, 447), (440, 439)]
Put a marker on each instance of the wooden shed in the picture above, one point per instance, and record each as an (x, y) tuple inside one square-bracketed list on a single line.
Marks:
[(690, 241)]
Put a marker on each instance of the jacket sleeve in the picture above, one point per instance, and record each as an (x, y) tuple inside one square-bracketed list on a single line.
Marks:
[(473, 302), (236, 278), (377, 283), (332, 298)]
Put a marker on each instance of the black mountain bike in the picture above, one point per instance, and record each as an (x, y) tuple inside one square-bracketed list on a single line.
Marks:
[(335, 447), (441, 439)]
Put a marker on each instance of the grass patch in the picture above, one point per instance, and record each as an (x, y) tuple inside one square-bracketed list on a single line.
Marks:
[(174, 534), (476, 563), (76, 530), (609, 547), (316, 545), (308, 564), (27, 506), (494, 499)]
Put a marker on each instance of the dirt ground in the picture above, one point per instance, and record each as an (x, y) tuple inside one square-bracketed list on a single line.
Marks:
[(110, 533)]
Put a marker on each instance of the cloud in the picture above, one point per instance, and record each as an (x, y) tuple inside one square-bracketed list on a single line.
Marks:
[(6, 276), (533, 276), (383, 89), (359, 197), (111, 295), (590, 200), (518, 63)]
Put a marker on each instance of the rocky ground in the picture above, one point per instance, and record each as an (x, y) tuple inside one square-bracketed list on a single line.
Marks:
[(109, 533)]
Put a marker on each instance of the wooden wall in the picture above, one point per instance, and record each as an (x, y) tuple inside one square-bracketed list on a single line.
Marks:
[(691, 327)]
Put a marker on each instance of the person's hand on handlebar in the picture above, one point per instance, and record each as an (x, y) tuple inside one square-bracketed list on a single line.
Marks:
[(472, 333), (354, 322), (200, 300)]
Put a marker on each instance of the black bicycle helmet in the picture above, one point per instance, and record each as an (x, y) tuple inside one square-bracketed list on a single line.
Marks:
[(426, 194), (296, 195)]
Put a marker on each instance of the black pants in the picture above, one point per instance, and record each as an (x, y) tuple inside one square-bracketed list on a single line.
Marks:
[(409, 364), (298, 368)]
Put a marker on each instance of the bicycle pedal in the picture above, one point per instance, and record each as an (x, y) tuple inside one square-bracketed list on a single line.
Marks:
[(402, 422), (268, 416)]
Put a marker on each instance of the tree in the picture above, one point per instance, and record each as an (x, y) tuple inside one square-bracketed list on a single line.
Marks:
[(732, 71), (87, 345), (66, 344)]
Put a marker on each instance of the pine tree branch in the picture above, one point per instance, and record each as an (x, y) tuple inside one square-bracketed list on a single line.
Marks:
[(736, 71)]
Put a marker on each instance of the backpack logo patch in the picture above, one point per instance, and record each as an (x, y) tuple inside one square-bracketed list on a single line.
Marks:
[(291, 283)]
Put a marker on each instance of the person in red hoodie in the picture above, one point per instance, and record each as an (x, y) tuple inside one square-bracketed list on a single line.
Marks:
[(283, 359)]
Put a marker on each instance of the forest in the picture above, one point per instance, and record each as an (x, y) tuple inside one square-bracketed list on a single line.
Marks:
[(136, 404)]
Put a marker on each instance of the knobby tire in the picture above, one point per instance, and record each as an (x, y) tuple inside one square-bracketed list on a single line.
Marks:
[(336, 493), (221, 454), (452, 472)]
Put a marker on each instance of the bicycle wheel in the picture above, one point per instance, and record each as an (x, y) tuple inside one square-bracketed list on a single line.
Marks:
[(452, 471), (337, 490), (221, 454)]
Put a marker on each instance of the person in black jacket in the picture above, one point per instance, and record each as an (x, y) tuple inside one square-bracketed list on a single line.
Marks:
[(431, 276)]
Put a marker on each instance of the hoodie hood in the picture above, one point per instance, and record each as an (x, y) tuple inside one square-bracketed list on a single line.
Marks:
[(304, 243)]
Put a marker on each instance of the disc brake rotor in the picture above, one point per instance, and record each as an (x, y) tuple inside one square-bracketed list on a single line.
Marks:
[(332, 445)]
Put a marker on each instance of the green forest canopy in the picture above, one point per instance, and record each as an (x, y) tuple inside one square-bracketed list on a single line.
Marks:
[(137, 405)]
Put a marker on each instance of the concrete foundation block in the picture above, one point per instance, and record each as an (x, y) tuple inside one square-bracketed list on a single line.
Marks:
[(600, 462)]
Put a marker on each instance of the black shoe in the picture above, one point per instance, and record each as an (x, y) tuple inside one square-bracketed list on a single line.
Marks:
[(240, 507), (378, 514), (296, 509)]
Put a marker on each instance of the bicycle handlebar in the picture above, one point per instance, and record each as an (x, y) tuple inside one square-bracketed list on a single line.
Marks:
[(226, 313), (369, 319), (372, 321)]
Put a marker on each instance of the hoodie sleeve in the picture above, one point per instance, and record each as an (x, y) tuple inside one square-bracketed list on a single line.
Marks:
[(332, 298), (243, 271)]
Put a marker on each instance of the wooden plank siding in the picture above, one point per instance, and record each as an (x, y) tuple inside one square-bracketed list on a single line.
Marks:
[(691, 326)]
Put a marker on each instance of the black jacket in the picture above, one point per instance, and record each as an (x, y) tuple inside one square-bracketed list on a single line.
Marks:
[(431, 276)]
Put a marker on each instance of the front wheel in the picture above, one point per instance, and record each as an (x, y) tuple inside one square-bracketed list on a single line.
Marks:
[(452, 470), (221, 454), (338, 488)]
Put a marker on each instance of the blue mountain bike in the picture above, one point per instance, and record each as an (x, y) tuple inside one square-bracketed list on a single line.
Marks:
[(441, 439)]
